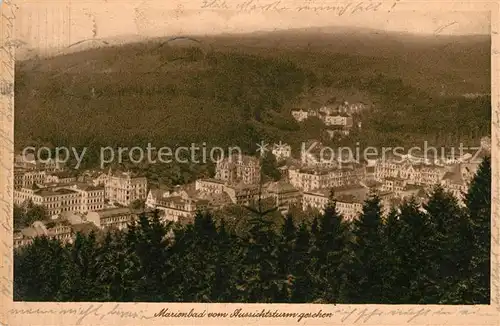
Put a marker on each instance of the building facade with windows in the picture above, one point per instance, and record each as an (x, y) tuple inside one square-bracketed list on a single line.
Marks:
[(124, 188)]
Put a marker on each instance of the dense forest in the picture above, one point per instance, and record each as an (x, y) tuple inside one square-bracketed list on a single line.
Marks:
[(436, 255), (162, 92)]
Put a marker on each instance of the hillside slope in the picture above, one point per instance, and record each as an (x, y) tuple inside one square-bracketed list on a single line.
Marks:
[(229, 90)]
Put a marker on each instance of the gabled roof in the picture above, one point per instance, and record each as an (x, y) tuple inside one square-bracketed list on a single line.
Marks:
[(157, 193), (324, 192)]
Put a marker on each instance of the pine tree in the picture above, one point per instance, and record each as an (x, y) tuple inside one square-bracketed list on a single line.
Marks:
[(269, 167), (285, 256), (119, 269), (301, 266), (194, 255), (315, 227), (445, 218), (34, 213), (330, 253), (148, 242), (205, 249), (38, 270), (416, 252), (367, 266), (478, 202), (223, 289), (181, 254), (259, 279), (391, 231), (81, 273)]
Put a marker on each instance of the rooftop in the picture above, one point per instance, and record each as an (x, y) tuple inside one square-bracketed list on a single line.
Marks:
[(242, 186), (349, 199), (323, 192), (281, 187), (47, 192), (412, 187), (84, 186), (127, 175), (108, 212), (61, 174), (344, 115), (395, 179), (242, 159), (158, 193), (213, 180)]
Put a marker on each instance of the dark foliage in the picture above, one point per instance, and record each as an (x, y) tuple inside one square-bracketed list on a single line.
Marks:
[(244, 89), (437, 253)]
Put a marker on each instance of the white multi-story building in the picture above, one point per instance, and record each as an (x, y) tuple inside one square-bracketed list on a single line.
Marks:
[(50, 165), (92, 197), (236, 169), (26, 178), (310, 179), (101, 179), (25, 162), (343, 120), (181, 208), (60, 177), (112, 218), (211, 186), (76, 198), (300, 115), (54, 200), (346, 204), (124, 188), (419, 174), (392, 184), (282, 151), (242, 194), (284, 195)]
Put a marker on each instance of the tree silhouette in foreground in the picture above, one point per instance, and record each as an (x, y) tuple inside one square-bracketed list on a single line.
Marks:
[(436, 253)]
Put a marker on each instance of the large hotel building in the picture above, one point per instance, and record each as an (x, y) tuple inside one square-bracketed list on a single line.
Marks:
[(77, 198), (124, 188)]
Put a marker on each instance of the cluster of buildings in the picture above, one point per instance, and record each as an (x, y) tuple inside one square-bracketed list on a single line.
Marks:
[(68, 224), (91, 200), (337, 116), (104, 200), (236, 182)]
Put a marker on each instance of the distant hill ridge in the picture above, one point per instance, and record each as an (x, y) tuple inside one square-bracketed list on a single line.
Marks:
[(292, 35)]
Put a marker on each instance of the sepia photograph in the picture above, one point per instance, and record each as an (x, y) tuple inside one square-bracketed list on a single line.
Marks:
[(317, 161)]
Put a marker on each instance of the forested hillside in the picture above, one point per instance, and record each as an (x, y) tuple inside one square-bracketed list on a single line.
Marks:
[(241, 89)]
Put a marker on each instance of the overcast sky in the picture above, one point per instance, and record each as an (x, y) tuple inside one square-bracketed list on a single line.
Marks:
[(48, 25)]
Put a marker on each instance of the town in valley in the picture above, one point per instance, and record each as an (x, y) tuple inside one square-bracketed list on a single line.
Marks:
[(106, 199)]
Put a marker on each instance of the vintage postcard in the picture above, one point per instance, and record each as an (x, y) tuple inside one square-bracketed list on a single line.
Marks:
[(249, 162)]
